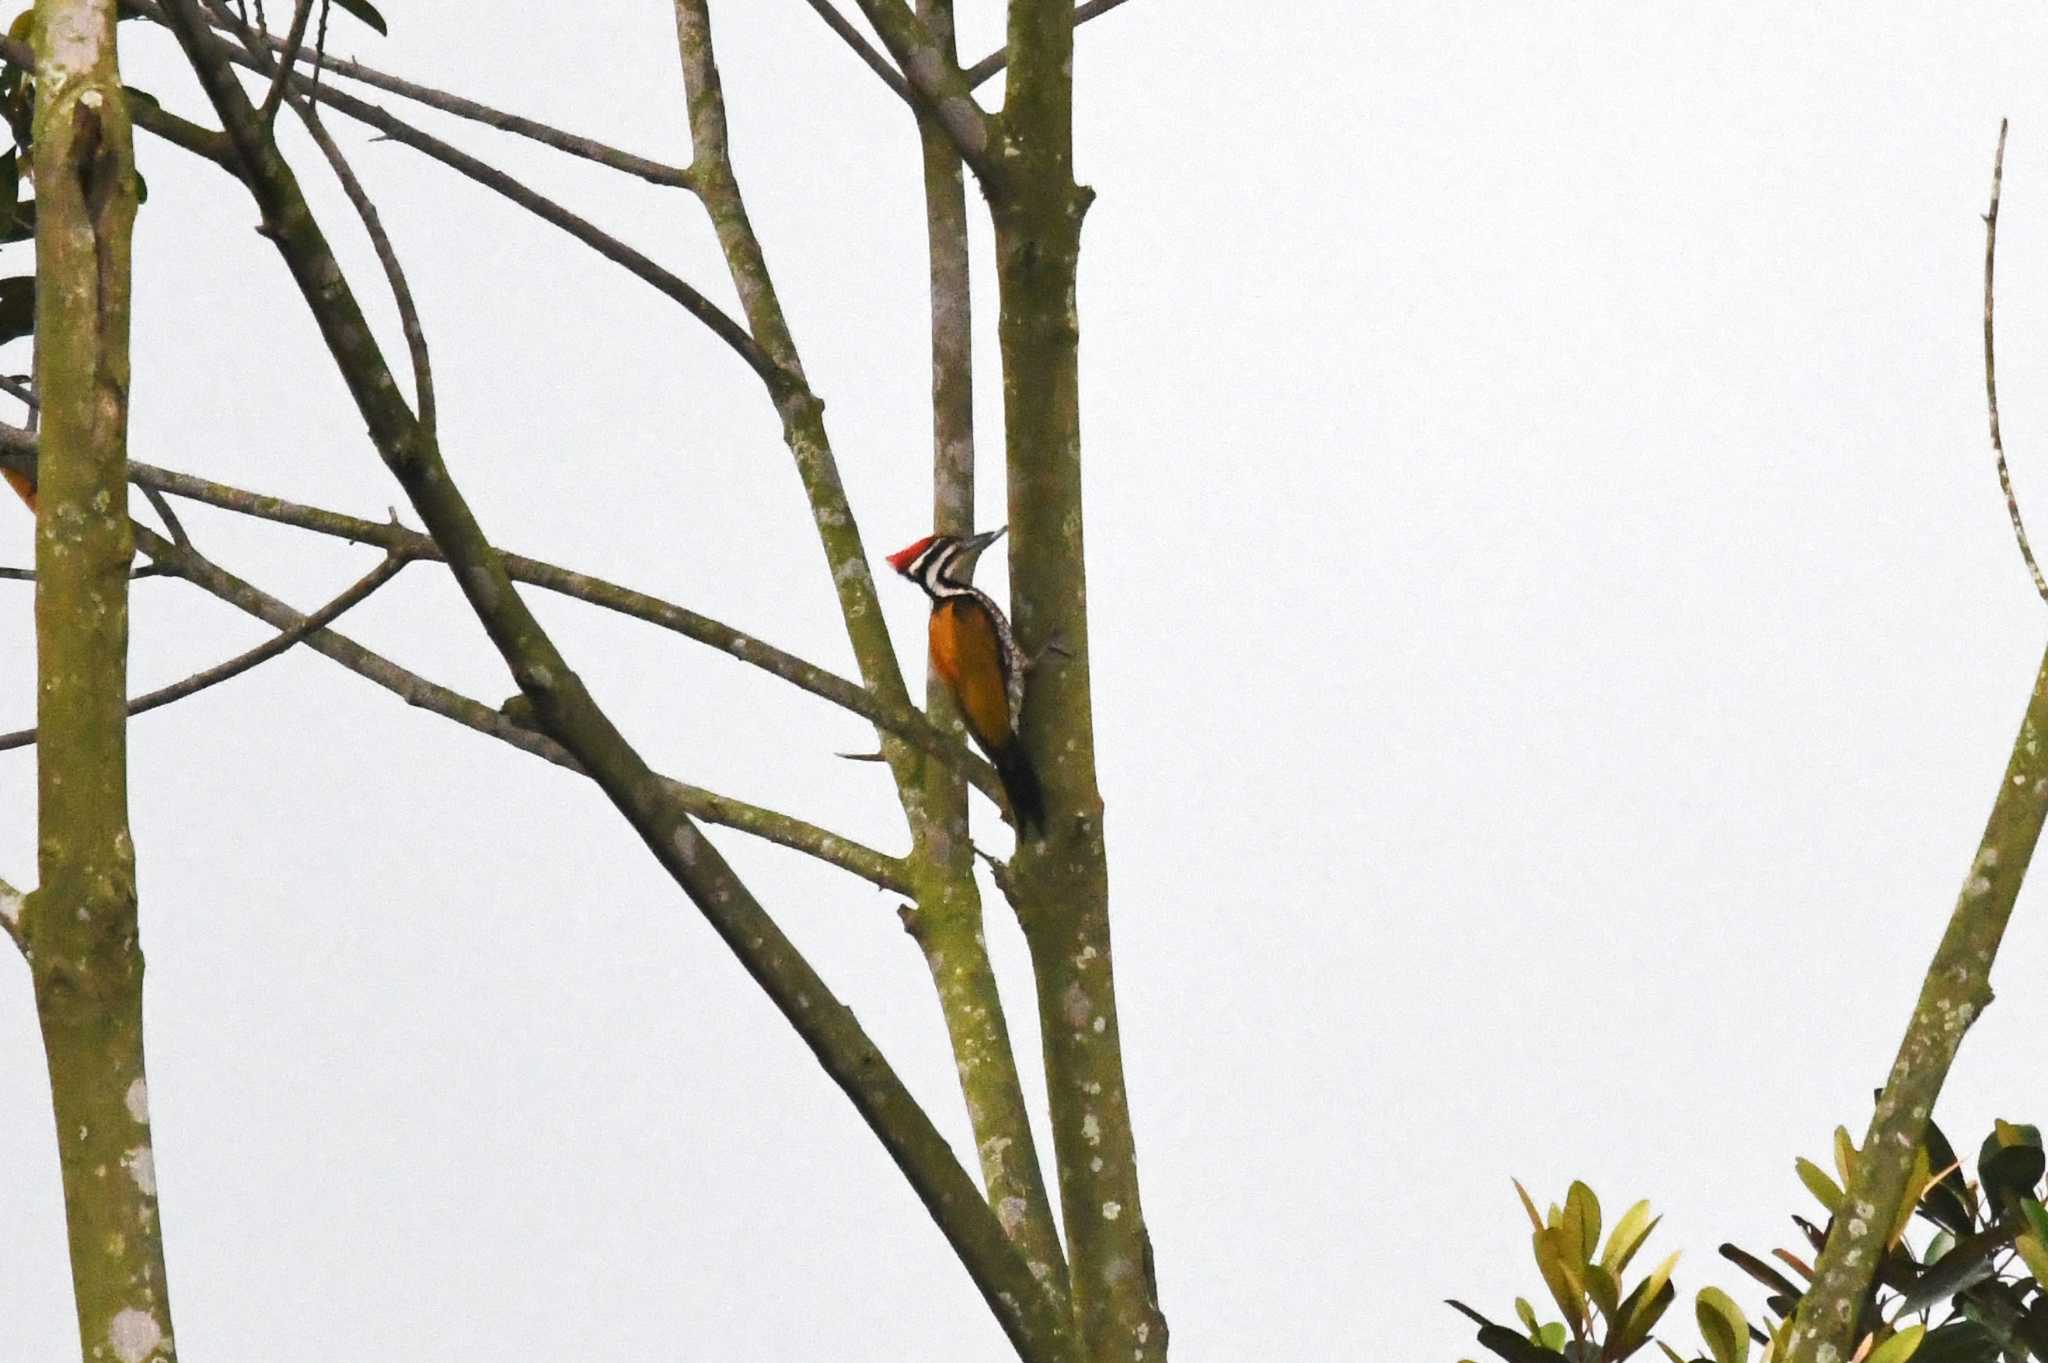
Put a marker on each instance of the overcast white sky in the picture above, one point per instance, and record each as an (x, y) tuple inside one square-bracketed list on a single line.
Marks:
[(1556, 639)]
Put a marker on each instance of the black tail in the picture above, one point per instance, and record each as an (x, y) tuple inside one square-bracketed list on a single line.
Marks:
[(1020, 783)]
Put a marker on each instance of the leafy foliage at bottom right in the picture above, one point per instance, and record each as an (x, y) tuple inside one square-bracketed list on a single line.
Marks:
[(1973, 1292)]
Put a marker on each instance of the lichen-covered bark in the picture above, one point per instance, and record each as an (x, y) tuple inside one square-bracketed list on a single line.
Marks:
[(79, 927), (947, 921), (1060, 882), (1956, 991)]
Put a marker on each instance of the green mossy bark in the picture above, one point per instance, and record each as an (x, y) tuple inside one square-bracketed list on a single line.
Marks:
[(79, 927), (1956, 991), (947, 921), (1060, 882)]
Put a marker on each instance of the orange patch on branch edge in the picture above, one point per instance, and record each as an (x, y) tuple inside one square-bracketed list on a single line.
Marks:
[(23, 487)]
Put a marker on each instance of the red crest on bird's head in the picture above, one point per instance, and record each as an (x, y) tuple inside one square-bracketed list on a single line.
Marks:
[(903, 558)]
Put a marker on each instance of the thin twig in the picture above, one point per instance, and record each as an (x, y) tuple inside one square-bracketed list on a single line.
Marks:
[(170, 517), (865, 862), (606, 245), (803, 420), (293, 39), (977, 75), (866, 50), (937, 87), (16, 387), (998, 59), (589, 149), (263, 652), (2012, 504), (387, 256), (18, 448), (320, 41)]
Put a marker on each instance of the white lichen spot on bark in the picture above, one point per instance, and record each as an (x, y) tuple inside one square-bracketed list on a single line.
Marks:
[(133, 1335), (1010, 1213), (686, 843), (1112, 1210), (481, 589), (140, 1163), (1075, 1002), (11, 901), (1091, 1129), (1979, 887)]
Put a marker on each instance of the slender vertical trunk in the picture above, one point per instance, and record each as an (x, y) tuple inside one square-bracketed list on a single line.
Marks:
[(947, 921), (79, 927), (1060, 881)]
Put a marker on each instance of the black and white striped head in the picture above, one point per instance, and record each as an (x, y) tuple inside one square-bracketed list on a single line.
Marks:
[(944, 564)]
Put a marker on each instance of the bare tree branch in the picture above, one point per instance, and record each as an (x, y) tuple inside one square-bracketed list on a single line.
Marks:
[(589, 149), (387, 256), (937, 85), (146, 114), (162, 505), (10, 915), (862, 48), (803, 418), (270, 648), (606, 245), (976, 75), (875, 867), (293, 38), (17, 451), (568, 712), (2012, 504), (995, 61)]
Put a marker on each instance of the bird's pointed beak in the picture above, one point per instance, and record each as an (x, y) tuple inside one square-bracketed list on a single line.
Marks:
[(973, 545)]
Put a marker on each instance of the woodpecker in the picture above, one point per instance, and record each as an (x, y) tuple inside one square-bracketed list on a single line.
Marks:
[(975, 654)]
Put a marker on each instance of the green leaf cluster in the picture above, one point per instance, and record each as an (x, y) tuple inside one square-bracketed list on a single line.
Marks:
[(1606, 1318), (1972, 1292)]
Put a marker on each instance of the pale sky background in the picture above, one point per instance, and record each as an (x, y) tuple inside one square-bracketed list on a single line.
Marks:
[(1556, 636)]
